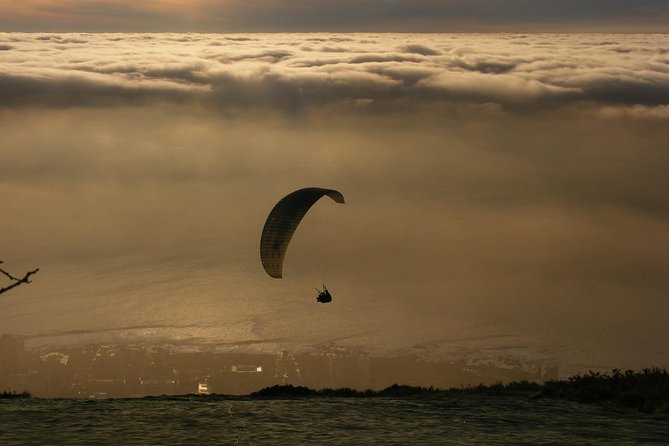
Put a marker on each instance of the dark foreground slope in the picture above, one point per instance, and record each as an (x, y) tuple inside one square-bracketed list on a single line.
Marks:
[(646, 391)]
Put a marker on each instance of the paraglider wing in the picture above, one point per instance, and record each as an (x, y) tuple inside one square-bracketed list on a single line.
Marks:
[(282, 222)]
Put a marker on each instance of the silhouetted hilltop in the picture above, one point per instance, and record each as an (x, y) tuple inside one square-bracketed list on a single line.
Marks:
[(646, 391)]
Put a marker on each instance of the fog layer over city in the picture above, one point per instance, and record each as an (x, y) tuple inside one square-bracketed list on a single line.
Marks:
[(503, 192)]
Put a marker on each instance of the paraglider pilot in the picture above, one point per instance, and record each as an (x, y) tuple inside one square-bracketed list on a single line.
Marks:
[(324, 295)]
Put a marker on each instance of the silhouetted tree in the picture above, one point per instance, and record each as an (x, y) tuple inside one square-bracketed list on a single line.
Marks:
[(15, 281)]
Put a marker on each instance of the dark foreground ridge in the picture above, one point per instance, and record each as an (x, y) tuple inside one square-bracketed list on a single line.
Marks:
[(646, 391)]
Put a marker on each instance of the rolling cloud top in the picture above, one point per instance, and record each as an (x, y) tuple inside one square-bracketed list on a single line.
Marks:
[(294, 72)]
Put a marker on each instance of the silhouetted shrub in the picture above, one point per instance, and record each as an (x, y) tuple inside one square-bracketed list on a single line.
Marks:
[(13, 394), (647, 391), (285, 390)]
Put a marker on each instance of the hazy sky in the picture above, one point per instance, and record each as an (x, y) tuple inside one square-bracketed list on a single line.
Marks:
[(504, 192), (335, 15)]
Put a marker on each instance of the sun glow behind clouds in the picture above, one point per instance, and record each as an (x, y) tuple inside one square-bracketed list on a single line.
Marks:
[(508, 188), (334, 15)]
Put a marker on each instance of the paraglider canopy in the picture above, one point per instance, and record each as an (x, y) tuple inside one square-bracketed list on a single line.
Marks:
[(282, 222)]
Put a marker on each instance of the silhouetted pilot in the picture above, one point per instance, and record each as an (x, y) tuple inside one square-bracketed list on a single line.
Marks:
[(323, 296)]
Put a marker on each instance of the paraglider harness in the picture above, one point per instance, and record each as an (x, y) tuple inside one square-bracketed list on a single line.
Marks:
[(324, 295)]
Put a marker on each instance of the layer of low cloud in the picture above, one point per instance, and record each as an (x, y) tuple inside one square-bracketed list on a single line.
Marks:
[(294, 72)]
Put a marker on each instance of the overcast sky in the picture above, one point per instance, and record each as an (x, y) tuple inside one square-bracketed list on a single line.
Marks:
[(335, 15), (503, 192)]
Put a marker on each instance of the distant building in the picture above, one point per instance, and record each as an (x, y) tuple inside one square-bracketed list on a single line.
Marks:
[(203, 389), (242, 379), (246, 368)]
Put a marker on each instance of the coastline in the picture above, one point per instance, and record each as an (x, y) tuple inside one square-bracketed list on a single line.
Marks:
[(645, 391)]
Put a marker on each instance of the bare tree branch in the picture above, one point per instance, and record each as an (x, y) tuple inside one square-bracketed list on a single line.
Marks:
[(16, 280)]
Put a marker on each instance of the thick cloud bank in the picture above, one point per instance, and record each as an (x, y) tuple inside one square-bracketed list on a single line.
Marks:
[(503, 192), (294, 72)]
